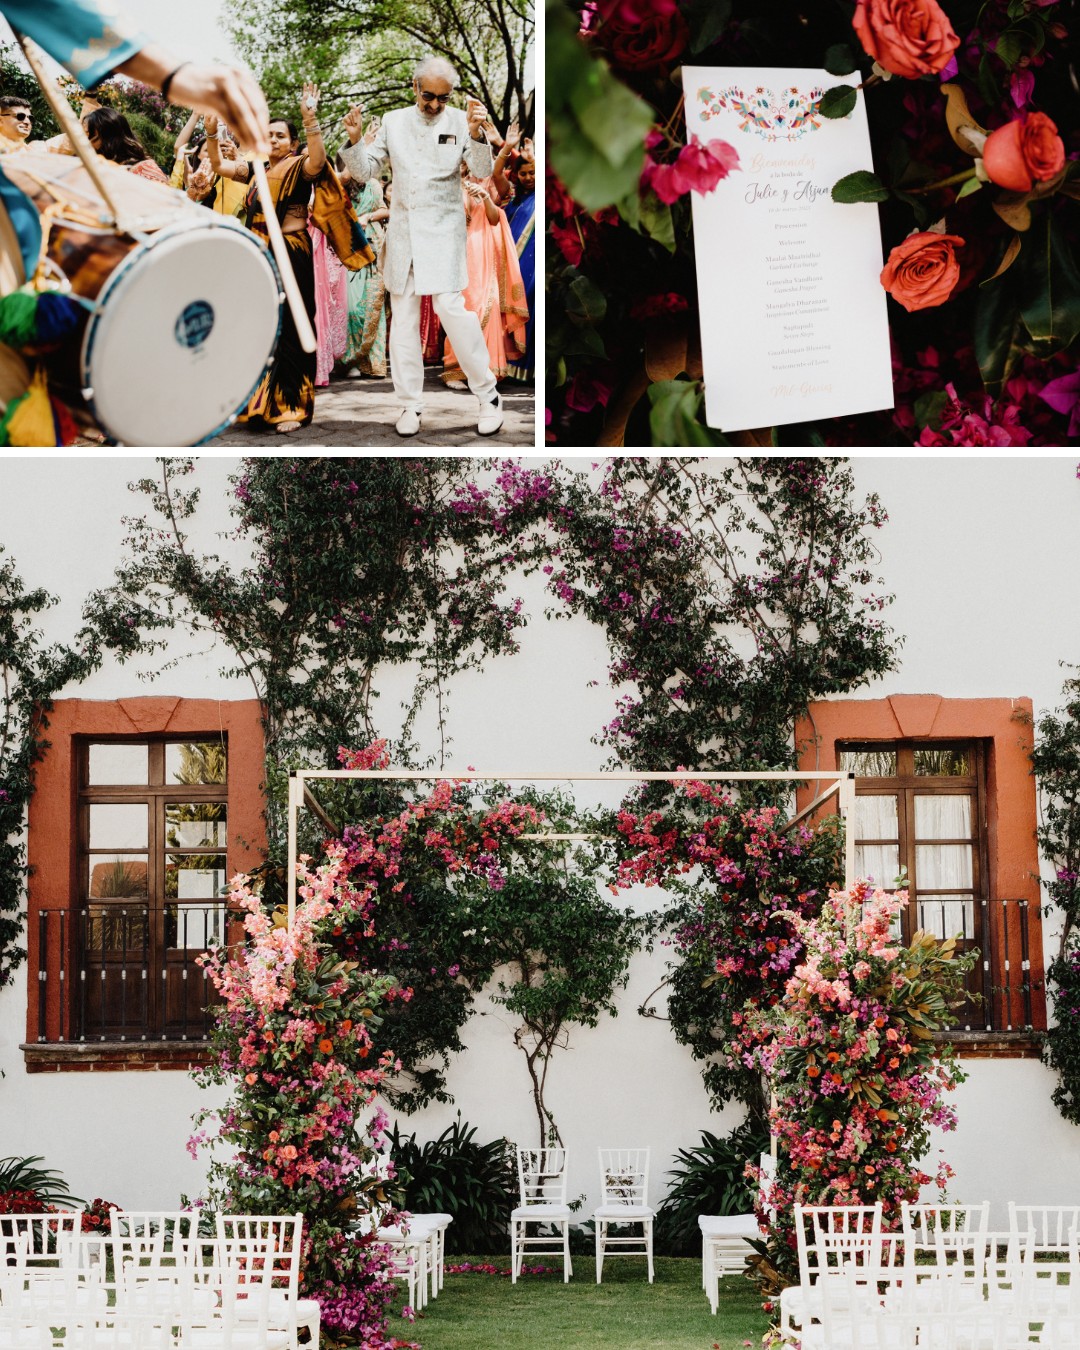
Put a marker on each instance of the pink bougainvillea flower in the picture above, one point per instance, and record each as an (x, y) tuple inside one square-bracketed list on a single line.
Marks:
[(905, 37), (1025, 151), (698, 168), (922, 271), (1021, 87), (1063, 395)]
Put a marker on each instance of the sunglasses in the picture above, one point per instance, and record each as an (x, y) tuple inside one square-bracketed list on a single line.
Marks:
[(20, 117), (429, 97)]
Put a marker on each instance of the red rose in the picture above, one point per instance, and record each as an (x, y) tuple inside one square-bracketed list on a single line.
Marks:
[(1023, 152), (923, 270), (907, 37), (655, 41)]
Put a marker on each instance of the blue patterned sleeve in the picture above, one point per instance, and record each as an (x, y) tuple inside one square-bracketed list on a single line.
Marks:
[(90, 37)]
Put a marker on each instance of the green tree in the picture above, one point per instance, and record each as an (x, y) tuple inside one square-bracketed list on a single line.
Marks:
[(365, 50)]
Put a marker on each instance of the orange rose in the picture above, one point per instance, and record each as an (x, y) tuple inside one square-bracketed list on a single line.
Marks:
[(1026, 150), (923, 271), (907, 37)]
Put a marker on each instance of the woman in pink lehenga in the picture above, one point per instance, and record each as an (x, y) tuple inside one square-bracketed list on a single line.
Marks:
[(496, 291), (331, 307)]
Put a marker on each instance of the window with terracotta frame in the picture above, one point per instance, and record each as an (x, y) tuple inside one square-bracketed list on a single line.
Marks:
[(956, 808), (143, 809)]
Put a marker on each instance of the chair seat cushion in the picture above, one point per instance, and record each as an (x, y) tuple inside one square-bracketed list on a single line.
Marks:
[(212, 1339), (624, 1212), (541, 1212), (729, 1225)]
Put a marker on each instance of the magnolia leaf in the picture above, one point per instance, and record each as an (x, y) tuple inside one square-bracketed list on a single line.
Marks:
[(995, 322), (1013, 209), (838, 101), (959, 119), (1051, 307), (1012, 252), (860, 186)]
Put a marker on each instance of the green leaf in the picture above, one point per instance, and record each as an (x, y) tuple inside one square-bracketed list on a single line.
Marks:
[(987, 81), (1051, 308), (972, 185), (929, 407), (1010, 47), (586, 302), (840, 59), (919, 206), (708, 19), (838, 101), (673, 419), (995, 323), (589, 177), (657, 221), (861, 186)]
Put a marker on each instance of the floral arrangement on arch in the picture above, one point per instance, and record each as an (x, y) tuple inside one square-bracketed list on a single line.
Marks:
[(292, 1041), (975, 129), (856, 1075)]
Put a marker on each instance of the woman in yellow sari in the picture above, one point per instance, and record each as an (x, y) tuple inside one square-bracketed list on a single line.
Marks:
[(298, 180)]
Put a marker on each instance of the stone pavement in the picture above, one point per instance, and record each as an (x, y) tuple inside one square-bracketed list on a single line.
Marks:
[(359, 414)]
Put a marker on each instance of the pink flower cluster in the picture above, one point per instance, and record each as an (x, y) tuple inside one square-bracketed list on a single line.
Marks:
[(698, 167)]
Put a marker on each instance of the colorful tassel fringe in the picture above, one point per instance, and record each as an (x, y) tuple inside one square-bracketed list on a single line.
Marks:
[(35, 420), (30, 318)]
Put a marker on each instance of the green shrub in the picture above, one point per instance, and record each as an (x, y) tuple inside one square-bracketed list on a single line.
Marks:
[(23, 1175), (707, 1180), (453, 1174)]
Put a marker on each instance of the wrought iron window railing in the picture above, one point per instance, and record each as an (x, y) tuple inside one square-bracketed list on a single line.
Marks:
[(127, 971)]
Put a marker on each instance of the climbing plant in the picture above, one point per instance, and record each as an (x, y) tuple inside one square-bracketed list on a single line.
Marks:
[(1055, 761), (32, 672)]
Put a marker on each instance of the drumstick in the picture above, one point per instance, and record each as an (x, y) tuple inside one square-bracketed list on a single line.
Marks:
[(73, 128), (297, 308)]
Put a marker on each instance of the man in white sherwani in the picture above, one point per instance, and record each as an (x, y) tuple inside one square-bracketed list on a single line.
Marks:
[(425, 237)]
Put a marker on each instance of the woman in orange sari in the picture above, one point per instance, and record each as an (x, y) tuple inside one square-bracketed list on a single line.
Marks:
[(285, 398), (496, 291)]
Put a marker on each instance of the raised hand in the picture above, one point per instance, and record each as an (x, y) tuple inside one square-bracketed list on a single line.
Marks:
[(372, 131), (513, 135), (353, 122), (200, 181), (309, 101), (477, 115)]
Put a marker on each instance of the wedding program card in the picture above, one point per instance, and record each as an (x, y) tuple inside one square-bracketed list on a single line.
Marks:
[(793, 316)]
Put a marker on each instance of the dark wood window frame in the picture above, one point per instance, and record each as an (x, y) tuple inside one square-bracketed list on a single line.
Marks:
[(170, 1006)]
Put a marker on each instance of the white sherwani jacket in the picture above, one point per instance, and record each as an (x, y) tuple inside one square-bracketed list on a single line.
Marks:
[(426, 230)]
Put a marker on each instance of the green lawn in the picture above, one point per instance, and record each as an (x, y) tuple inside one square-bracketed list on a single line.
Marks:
[(487, 1312)]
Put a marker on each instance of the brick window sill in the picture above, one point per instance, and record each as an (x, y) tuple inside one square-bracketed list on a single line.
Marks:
[(995, 1044), (114, 1056)]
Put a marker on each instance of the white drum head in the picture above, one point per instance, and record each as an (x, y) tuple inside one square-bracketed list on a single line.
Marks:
[(186, 327)]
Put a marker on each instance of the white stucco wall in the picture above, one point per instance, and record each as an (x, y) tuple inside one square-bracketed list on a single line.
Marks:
[(981, 554)]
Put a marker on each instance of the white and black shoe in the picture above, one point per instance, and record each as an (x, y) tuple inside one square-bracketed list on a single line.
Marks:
[(408, 424), (490, 419)]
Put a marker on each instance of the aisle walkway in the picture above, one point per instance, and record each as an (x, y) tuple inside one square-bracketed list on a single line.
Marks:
[(360, 414)]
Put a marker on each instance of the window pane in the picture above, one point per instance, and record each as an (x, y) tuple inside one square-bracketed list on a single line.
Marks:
[(868, 763), (943, 763), (942, 817), (117, 877), (878, 861), (194, 927), (195, 825), (119, 826), (191, 762), (944, 867), (875, 818), (196, 877), (119, 765), (120, 930), (947, 916)]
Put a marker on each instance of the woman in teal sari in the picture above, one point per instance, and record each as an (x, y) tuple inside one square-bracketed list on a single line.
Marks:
[(365, 351), (521, 213)]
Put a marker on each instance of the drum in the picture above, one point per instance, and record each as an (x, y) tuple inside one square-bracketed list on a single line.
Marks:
[(182, 306)]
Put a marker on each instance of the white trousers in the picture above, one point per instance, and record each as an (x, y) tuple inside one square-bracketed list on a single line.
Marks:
[(406, 353)]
